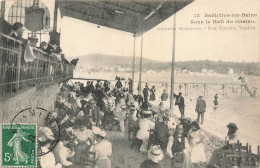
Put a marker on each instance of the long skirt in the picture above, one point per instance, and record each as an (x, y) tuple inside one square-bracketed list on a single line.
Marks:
[(144, 146), (103, 163), (198, 154)]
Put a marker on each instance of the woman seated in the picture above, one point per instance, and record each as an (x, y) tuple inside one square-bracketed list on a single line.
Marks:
[(145, 124)]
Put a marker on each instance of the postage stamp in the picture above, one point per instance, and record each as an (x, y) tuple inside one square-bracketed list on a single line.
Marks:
[(19, 145)]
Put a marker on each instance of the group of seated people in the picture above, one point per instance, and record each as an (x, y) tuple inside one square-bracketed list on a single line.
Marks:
[(85, 113)]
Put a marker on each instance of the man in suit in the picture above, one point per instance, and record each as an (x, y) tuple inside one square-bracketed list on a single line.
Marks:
[(17, 30), (91, 112), (180, 102), (200, 109), (178, 148), (161, 130)]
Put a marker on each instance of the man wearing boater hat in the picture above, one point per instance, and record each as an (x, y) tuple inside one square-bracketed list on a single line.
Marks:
[(155, 155), (178, 148), (200, 109)]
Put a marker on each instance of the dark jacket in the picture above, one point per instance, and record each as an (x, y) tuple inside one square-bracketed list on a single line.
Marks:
[(164, 96), (94, 113), (149, 164), (179, 100), (161, 129), (118, 84), (201, 106)]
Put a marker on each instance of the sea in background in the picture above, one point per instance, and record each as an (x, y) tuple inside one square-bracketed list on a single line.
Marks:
[(244, 111)]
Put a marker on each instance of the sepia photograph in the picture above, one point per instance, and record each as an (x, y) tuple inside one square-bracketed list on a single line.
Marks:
[(129, 83)]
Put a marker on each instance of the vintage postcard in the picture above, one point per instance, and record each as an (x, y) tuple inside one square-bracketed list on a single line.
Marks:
[(130, 83)]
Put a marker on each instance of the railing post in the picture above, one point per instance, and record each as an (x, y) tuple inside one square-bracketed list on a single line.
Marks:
[(37, 67), (241, 90), (19, 57), (187, 90), (204, 89)]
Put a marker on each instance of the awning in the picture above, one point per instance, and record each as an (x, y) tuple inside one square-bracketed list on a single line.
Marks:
[(127, 15)]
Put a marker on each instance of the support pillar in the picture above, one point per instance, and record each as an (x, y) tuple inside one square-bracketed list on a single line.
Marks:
[(140, 73), (55, 20), (133, 72), (3, 9), (241, 90), (173, 63)]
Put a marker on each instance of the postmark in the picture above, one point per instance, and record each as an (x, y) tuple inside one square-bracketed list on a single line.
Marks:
[(43, 118), (19, 145)]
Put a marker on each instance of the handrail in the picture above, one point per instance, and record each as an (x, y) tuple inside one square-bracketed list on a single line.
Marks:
[(12, 38), (17, 75)]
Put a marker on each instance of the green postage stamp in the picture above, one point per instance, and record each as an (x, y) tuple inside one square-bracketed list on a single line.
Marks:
[(19, 145)]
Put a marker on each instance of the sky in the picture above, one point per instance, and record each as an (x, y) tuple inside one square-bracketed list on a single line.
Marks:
[(83, 38)]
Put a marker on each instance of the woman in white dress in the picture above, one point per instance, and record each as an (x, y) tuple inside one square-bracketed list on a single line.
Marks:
[(145, 124), (196, 137)]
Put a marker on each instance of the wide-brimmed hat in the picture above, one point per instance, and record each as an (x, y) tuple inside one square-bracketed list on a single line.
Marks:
[(95, 130), (99, 131), (232, 125), (155, 153), (148, 112), (123, 106), (200, 97), (196, 124)]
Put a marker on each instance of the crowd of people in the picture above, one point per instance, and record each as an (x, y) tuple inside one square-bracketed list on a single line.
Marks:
[(87, 113)]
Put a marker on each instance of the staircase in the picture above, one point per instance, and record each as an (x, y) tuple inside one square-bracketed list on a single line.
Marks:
[(248, 90)]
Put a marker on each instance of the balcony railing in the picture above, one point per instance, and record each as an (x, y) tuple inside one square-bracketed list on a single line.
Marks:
[(17, 75)]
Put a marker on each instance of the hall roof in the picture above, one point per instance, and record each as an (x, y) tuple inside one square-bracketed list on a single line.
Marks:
[(134, 16)]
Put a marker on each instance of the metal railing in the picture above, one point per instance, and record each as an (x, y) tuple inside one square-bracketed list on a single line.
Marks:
[(17, 75)]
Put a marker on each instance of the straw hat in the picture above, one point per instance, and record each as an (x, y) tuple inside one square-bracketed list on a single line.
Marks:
[(91, 101), (147, 112), (95, 130), (123, 106), (102, 133), (99, 131), (155, 153)]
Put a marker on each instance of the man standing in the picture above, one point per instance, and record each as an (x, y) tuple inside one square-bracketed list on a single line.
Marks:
[(17, 30), (180, 102), (161, 130), (91, 111), (118, 84), (200, 109), (164, 96), (178, 149)]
